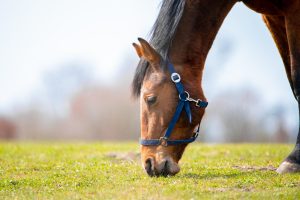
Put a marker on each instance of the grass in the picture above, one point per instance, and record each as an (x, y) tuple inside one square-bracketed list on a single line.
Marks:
[(84, 171)]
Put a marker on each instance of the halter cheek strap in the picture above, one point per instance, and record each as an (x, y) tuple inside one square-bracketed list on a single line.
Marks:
[(183, 103)]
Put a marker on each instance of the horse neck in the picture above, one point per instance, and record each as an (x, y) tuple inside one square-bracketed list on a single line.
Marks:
[(196, 31)]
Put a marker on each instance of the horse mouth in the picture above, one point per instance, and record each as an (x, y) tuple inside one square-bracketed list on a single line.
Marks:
[(164, 168)]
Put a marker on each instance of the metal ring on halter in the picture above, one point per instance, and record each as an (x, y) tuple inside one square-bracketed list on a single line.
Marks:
[(175, 77), (163, 141), (184, 98)]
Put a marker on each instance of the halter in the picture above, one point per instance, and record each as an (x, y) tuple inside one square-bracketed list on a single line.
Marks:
[(184, 99)]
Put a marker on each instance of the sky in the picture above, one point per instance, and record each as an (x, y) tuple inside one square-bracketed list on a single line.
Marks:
[(38, 35)]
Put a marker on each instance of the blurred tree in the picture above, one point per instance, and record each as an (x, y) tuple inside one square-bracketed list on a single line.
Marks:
[(63, 82), (238, 113), (222, 49), (281, 133), (107, 112), (104, 113)]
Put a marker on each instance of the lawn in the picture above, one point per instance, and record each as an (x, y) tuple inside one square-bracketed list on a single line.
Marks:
[(107, 171)]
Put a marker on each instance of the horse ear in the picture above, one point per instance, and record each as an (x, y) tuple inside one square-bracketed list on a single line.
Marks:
[(148, 52), (138, 49)]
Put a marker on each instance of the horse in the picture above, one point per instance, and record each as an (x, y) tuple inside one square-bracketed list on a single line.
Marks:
[(169, 74)]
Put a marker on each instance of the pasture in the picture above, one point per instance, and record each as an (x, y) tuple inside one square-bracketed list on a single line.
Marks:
[(112, 171)]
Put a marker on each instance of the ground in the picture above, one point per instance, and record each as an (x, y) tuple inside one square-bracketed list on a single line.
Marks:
[(108, 171)]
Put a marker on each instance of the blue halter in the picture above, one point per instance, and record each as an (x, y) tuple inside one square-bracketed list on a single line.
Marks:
[(184, 99)]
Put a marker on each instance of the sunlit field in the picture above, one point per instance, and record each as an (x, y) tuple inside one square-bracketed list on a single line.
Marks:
[(112, 171)]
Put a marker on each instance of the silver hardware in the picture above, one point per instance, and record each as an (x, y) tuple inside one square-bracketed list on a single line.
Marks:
[(196, 135), (194, 100), (174, 76), (187, 96), (190, 99), (198, 103), (163, 141)]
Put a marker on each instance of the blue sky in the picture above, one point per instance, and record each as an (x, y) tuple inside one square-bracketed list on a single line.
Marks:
[(37, 36)]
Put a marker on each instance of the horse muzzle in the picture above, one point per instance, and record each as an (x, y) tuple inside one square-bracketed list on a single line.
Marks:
[(164, 167)]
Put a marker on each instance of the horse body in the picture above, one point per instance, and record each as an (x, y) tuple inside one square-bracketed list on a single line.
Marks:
[(192, 26)]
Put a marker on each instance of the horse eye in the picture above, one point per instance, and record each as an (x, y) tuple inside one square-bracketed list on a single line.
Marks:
[(151, 100)]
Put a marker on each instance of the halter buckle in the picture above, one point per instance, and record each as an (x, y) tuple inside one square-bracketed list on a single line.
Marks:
[(163, 141), (175, 77)]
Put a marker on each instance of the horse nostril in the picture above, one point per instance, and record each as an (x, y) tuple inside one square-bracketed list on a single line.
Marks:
[(149, 166), (165, 170)]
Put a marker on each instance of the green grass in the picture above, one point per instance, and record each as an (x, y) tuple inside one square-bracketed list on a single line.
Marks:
[(84, 171)]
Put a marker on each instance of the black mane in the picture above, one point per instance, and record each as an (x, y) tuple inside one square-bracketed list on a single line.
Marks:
[(162, 33)]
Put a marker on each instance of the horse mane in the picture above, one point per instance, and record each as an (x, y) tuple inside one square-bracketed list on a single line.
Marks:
[(162, 34)]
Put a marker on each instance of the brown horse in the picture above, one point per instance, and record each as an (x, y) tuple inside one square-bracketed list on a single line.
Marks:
[(182, 35)]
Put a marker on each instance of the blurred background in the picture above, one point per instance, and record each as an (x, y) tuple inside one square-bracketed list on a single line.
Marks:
[(66, 67)]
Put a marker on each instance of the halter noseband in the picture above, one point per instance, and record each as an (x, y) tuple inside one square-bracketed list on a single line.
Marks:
[(184, 99)]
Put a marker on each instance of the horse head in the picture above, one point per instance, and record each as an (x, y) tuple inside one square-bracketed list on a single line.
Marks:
[(169, 114)]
